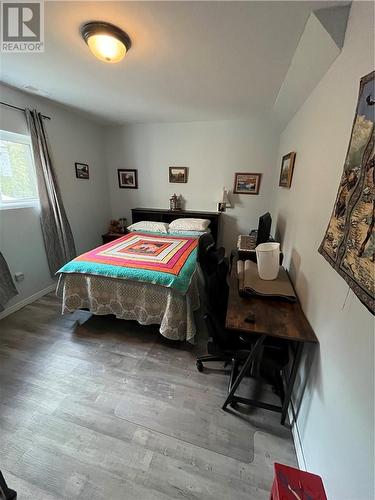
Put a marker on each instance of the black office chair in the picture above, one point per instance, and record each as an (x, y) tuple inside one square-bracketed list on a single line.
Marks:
[(5, 492), (221, 346), (210, 257), (215, 268), (206, 244)]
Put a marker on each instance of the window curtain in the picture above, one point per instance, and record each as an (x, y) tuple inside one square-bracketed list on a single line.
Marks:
[(57, 234), (7, 288)]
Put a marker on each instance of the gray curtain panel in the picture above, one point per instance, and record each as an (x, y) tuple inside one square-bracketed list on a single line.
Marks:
[(57, 234), (7, 288)]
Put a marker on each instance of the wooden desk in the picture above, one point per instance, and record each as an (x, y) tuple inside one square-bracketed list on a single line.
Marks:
[(273, 318)]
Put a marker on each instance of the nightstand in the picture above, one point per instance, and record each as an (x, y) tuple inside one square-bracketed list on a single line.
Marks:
[(108, 237)]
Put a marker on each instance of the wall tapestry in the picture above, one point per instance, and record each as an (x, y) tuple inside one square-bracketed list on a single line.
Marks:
[(349, 242)]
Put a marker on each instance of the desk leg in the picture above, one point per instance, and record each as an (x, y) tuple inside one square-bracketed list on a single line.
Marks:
[(254, 351), (233, 373), (292, 379)]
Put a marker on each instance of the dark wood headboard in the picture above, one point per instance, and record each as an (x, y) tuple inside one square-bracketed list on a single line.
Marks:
[(160, 215)]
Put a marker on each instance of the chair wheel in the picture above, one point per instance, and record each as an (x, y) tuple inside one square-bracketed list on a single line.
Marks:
[(199, 365)]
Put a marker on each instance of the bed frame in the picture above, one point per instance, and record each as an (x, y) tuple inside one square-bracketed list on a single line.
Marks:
[(160, 215)]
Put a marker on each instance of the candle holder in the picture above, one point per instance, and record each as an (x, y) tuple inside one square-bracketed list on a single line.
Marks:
[(175, 203)]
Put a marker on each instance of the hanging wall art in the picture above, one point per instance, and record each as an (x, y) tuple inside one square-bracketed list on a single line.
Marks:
[(349, 241)]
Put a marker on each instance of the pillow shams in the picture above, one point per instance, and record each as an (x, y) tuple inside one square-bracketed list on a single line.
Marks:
[(149, 225), (189, 224)]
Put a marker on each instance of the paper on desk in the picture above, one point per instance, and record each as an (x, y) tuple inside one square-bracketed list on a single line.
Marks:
[(250, 282)]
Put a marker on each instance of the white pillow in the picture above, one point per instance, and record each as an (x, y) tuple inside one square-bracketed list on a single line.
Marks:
[(189, 224), (149, 225)]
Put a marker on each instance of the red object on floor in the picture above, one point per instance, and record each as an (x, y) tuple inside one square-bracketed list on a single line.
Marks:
[(294, 484)]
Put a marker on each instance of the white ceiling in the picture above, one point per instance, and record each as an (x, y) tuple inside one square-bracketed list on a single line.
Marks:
[(189, 60)]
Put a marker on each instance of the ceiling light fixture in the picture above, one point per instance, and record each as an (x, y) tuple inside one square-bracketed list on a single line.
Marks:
[(106, 41)]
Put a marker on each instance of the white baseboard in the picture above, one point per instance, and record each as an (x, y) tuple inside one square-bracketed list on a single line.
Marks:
[(297, 440), (28, 300)]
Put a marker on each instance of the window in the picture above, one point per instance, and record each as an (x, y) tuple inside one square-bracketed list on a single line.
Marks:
[(18, 186)]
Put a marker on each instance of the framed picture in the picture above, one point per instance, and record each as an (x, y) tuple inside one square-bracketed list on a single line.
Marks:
[(246, 183), (127, 178), (177, 174), (82, 171), (286, 172)]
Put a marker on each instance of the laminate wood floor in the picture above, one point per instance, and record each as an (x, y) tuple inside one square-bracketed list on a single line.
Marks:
[(96, 408)]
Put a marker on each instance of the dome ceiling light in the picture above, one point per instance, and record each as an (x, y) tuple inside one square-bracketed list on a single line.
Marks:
[(106, 41)]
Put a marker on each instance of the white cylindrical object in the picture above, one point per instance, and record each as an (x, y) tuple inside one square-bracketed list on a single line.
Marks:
[(268, 258)]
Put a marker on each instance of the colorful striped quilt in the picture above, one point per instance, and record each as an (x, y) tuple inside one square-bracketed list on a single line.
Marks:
[(167, 260)]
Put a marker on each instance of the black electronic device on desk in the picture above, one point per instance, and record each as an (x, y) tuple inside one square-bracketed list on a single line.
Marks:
[(246, 244)]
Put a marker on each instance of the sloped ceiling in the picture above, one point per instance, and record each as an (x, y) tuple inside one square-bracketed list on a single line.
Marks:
[(321, 42), (189, 60)]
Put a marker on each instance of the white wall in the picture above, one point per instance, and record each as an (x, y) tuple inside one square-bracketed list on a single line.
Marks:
[(212, 151), (336, 420), (72, 138)]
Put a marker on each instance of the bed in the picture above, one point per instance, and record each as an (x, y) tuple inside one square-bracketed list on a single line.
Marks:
[(152, 278)]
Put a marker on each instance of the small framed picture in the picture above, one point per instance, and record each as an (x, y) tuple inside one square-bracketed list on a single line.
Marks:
[(82, 171), (246, 183), (286, 172), (127, 178), (178, 174)]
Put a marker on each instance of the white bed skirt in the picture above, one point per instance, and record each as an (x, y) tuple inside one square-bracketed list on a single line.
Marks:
[(131, 300)]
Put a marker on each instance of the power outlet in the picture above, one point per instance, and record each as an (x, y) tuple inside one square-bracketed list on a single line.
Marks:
[(19, 276)]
